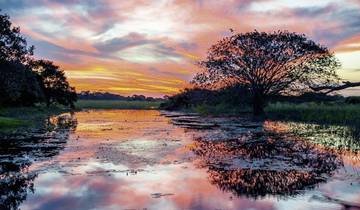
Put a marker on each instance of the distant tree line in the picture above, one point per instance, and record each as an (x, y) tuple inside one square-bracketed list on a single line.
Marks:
[(87, 95), (240, 96), (25, 80)]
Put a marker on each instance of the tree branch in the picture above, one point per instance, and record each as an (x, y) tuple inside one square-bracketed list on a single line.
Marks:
[(330, 88)]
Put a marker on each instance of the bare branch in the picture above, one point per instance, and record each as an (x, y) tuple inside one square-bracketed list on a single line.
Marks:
[(331, 88)]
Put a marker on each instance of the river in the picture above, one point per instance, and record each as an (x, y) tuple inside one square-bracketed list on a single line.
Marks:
[(137, 159)]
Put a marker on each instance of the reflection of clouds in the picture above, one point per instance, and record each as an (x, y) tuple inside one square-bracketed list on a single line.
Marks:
[(117, 190)]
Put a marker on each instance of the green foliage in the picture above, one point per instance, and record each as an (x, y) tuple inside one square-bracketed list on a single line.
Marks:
[(224, 109), (331, 113), (334, 136), (26, 117), (7, 122), (116, 104)]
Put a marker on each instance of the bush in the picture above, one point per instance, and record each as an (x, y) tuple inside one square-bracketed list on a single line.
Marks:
[(352, 100), (235, 96)]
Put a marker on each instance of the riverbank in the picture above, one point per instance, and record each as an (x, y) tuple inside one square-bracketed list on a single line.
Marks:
[(17, 117), (327, 113), (117, 104)]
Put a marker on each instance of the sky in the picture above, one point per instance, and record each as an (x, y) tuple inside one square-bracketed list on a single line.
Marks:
[(151, 47)]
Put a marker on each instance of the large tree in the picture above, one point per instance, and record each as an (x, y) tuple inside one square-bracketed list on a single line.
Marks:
[(54, 83), (24, 80), (18, 84), (269, 64)]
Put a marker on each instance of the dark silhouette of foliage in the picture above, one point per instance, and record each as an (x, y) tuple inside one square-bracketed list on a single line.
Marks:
[(13, 46), (87, 95), (25, 81), (234, 95), (353, 100), (269, 63), (18, 85), (54, 83)]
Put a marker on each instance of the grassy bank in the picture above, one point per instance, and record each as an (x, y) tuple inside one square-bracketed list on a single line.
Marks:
[(335, 113), (329, 113), (222, 109), (116, 104), (15, 117), (7, 122)]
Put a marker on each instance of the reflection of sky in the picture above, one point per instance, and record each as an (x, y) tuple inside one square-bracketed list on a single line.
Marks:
[(188, 190), (150, 47), (123, 167)]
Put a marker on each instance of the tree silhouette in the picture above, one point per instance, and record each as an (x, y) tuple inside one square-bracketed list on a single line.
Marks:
[(13, 46), (24, 80), (269, 63), (54, 83), (18, 85)]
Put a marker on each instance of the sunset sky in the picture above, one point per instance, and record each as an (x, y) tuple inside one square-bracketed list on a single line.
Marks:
[(150, 46)]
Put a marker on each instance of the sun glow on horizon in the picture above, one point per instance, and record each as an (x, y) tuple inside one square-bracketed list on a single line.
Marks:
[(152, 47)]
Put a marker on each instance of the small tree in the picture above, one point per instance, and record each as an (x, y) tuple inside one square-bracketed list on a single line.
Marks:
[(54, 83), (269, 63)]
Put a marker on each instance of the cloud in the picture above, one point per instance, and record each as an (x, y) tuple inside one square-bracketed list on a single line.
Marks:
[(118, 44), (51, 51), (164, 38)]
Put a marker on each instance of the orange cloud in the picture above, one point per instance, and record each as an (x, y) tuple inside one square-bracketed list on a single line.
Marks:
[(152, 47)]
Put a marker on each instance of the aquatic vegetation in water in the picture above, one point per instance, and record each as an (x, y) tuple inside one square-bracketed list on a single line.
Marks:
[(19, 151), (334, 136)]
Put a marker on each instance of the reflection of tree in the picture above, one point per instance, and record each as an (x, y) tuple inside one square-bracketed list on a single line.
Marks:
[(17, 154), (263, 163)]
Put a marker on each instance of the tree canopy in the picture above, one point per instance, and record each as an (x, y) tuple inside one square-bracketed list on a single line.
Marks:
[(274, 63), (13, 46), (25, 80), (54, 84)]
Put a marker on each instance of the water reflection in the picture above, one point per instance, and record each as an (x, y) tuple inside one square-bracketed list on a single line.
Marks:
[(19, 151), (335, 136), (127, 159), (270, 162)]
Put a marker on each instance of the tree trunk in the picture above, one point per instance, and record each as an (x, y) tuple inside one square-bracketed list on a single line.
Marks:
[(258, 105)]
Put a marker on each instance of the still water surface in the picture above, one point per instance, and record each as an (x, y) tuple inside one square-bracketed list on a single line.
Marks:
[(128, 159)]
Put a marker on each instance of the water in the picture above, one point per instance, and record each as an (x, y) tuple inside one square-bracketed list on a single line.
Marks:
[(127, 159)]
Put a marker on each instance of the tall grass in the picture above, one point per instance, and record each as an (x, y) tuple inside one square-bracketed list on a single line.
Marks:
[(336, 113), (116, 104), (220, 109), (14, 117), (7, 122)]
